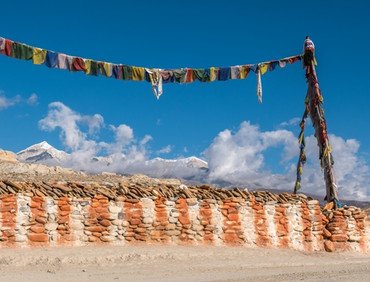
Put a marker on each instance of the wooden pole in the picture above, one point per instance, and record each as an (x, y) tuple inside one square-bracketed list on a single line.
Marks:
[(316, 112)]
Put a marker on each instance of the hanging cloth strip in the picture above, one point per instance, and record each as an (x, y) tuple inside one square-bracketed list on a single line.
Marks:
[(156, 81), (105, 69), (302, 145), (51, 60), (167, 76), (2, 44), (22, 51), (259, 84), (138, 74), (117, 71), (91, 67), (61, 61), (155, 76), (7, 48), (39, 56)]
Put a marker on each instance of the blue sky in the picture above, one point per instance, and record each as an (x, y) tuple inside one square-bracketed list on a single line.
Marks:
[(171, 34)]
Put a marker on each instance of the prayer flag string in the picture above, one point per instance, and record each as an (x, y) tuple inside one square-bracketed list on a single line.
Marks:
[(156, 76)]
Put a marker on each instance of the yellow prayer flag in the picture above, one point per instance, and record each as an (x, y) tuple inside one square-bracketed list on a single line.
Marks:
[(138, 73), (39, 56), (107, 69), (300, 140), (213, 73), (244, 71), (263, 68), (87, 66), (300, 170)]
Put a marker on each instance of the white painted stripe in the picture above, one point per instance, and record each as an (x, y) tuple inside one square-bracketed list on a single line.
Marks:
[(51, 210), (148, 207), (22, 220), (195, 222), (247, 221), (113, 210), (76, 225), (119, 217), (315, 242), (85, 212), (1, 221), (295, 226), (217, 222), (271, 226), (352, 229), (367, 235), (170, 205)]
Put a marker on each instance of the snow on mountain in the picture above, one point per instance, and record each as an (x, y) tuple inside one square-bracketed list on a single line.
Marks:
[(42, 153), (190, 162), (191, 168)]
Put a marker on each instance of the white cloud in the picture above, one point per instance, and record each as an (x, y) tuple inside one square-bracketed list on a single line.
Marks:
[(165, 150), (234, 158), (6, 102), (238, 159), (123, 153), (33, 99), (94, 123), (147, 138), (351, 170), (124, 134), (292, 121), (62, 117)]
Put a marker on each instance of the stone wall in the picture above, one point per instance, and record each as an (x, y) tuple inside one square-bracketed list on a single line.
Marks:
[(28, 220)]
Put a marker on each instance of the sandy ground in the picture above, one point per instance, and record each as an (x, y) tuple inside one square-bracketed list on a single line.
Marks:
[(179, 263)]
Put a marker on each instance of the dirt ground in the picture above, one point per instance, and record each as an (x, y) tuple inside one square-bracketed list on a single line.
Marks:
[(179, 263)]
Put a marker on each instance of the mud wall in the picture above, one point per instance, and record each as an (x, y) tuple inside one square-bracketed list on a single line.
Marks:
[(27, 221)]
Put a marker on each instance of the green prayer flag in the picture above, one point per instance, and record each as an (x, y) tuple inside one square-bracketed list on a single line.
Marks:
[(179, 75), (126, 73), (21, 51), (201, 74)]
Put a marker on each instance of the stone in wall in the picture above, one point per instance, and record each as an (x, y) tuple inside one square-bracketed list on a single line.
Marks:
[(345, 228)]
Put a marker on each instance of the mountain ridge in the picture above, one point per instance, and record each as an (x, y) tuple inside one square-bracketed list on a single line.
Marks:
[(44, 153)]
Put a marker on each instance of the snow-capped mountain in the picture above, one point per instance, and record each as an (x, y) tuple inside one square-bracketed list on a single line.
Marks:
[(191, 168), (42, 153), (190, 162)]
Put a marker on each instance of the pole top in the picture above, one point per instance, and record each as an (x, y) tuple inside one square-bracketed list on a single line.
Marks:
[(308, 45)]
